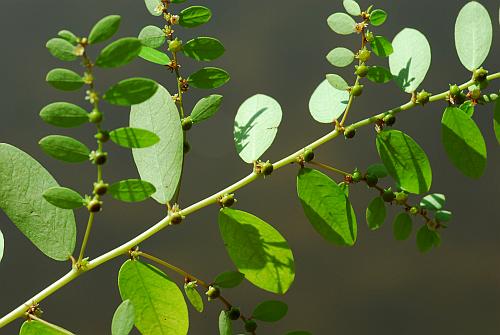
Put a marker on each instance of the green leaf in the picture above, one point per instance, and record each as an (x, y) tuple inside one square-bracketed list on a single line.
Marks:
[(131, 91), (270, 311), (402, 227), (65, 148), (68, 36), (378, 17), (133, 137), (194, 16), (410, 60), (258, 250), (154, 56), (327, 103), (159, 304), (378, 170), (433, 202), (64, 114), (131, 190), (40, 327), (123, 319), (327, 207), (104, 29), (352, 7), (443, 216), (153, 6), (340, 57), (208, 77), (229, 279), (225, 325), (120, 52), (463, 142), (344, 187), (376, 213), (426, 239), (206, 107), (193, 296), (2, 245), (255, 126), (473, 35), (337, 82), (161, 164), (405, 161), (381, 46), (61, 49), (64, 79), (496, 120), (203, 48), (152, 36), (379, 74), (63, 197), (342, 23), (51, 229), (468, 108)]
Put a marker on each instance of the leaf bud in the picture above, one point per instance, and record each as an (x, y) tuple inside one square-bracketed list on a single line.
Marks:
[(175, 45), (212, 293), (234, 313), (349, 133), (356, 176), (414, 210), (455, 90), (187, 123)]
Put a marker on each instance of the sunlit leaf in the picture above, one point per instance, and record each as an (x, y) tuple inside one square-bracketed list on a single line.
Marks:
[(203, 48), (154, 56), (194, 16), (61, 49), (270, 311), (64, 79), (376, 213), (68, 36), (64, 114), (123, 319), (153, 7), (65, 148), (152, 36), (133, 137), (131, 190), (327, 103), (337, 82), (63, 197), (2, 245), (352, 7), (433, 202), (119, 52), (342, 24), (340, 57), (379, 74), (208, 78), (378, 17), (131, 91), (40, 327), (468, 108), (206, 107), (104, 29), (381, 46), (193, 296)]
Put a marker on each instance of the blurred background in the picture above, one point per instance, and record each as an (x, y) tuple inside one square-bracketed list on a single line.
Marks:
[(277, 48)]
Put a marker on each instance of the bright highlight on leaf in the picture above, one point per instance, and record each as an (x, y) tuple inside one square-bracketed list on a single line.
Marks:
[(337, 82), (65, 148), (123, 319), (340, 57), (153, 6), (193, 296), (64, 114), (433, 202), (152, 36), (352, 7), (2, 245), (61, 49), (131, 190), (131, 91), (342, 24), (194, 16), (257, 250), (51, 229), (154, 56), (64, 79), (270, 311), (255, 126), (133, 137), (473, 35), (327, 103)]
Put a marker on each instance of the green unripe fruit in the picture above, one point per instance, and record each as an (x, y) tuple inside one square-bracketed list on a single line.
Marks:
[(475, 93), (95, 116), (423, 97), (356, 176), (414, 210), (364, 55), (455, 90), (186, 147), (187, 123), (349, 133), (308, 155), (100, 158), (388, 195), (401, 197), (361, 70), (357, 90), (175, 45), (94, 206), (369, 37), (102, 136), (371, 180), (480, 75), (250, 326), (267, 169), (389, 120), (234, 313), (227, 200), (100, 188), (212, 292), (176, 218)]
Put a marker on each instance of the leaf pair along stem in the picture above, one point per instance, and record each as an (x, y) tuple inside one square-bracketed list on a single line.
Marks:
[(124, 249)]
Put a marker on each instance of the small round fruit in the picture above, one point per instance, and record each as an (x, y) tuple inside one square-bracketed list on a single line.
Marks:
[(176, 218), (175, 45), (414, 210), (401, 197), (212, 292), (234, 313), (102, 136), (100, 158), (388, 195), (95, 116), (389, 120), (250, 326), (187, 123), (349, 132), (371, 180), (267, 168), (361, 70), (227, 200), (356, 90), (480, 75), (423, 97), (356, 176), (308, 155), (100, 188), (364, 55), (94, 206), (455, 90)]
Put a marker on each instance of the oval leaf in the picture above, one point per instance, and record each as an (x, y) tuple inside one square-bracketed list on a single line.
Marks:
[(410, 60), (63, 197), (473, 35), (203, 48), (194, 16), (463, 142), (64, 114), (2, 245), (133, 137), (161, 165), (342, 24), (154, 56), (65, 148), (433, 202), (443, 216), (258, 250), (132, 190), (327, 103), (255, 126), (381, 46), (337, 82), (426, 239), (64, 79), (131, 91), (378, 170), (327, 207), (120, 52), (68, 36), (39, 327), (154, 7), (496, 120), (270, 311), (402, 227), (123, 319), (340, 57), (352, 7), (376, 213), (206, 108), (225, 325), (405, 161), (379, 74), (229, 279), (152, 36), (159, 304), (208, 78), (61, 49), (51, 229), (104, 29), (378, 17), (193, 296)]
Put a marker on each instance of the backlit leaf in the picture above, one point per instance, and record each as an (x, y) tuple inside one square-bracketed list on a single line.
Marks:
[(203, 48), (64, 79), (378, 17), (468, 108), (104, 29), (402, 227), (152, 36), (352, 7), (63, 197), (133, 137), (123, 319), (68, 36), (225, 325), (61, 49), (327, 103), (342, 24), (51, 229), (433, 202), (193, 296), (65, 148), (270, 311), (154, 56), (496, 120), (131, 190), (376, 213), (153, 7), (340, 57), (443, 216), (206, 107), (40, 327), (64, 114), (131, 91), (194, 16), (119, 52), (257, 250), (337, 82), (208, 77), (381, 46), (379, 74)]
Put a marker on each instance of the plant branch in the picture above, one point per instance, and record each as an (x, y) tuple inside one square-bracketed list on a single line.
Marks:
[(213, 199)]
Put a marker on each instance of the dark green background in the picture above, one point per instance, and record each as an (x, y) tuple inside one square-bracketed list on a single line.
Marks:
[(278, 48)]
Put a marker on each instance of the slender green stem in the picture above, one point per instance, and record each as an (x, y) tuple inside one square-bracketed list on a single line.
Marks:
[(165, 222), (328, 167), (86, 237)]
